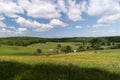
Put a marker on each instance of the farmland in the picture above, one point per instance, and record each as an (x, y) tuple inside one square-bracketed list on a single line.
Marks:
[(105, 65), (21, 63), (48, 48)]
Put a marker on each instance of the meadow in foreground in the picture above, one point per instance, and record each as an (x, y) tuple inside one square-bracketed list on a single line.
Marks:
[(104, 65)]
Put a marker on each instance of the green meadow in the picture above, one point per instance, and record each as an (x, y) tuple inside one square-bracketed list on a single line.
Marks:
[(48, 48), (20, 63), (104, 65)]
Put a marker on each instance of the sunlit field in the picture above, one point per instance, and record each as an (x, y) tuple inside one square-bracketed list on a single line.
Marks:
[(88, 65), (48, 48)]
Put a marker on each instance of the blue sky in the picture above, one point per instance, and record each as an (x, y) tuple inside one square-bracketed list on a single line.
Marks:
[(59, 18)]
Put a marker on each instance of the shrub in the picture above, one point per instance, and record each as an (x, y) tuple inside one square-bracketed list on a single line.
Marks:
[(59, 48), (67, 49), (96, 43), (38, 51), (81, 48), (115, 47)]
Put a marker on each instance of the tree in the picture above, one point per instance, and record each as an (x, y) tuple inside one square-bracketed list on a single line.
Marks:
[(96, 43), (67, 49), (109, 44), (88, 48), (39, 51), (118, 45), (81, 48), (59, 48)]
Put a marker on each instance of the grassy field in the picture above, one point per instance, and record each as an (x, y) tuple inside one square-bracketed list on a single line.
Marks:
[(103, 65), (20, 63), (48, 48)]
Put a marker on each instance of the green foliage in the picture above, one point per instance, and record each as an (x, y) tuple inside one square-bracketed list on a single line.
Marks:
[(19, 71), (80, 48), (25, 41), (67, 49), (87, 66), (88, 48), (115, 46), (38, 51), (96, 43), (59, 46), (21, 41), (109, 44)]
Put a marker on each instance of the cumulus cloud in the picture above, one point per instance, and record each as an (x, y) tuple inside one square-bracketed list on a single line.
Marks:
[(108, 19), (40, 8), (39, 26), (103, 32), (75, 10), (100, 25), (62, 5), (10, 8), (78, 27), (2, 18), (103, 7), (5, 32), (72, 9), (21, 30), (108, 10), (2, 24), (57, 22)]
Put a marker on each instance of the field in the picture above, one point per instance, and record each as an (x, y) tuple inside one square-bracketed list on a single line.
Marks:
[(48, 48), (20, 63), (104, 65)]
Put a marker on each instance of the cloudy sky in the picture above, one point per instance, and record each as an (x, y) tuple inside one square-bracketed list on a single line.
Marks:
[(59, 18)]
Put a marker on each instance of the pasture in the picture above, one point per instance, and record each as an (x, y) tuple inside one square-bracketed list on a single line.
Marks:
[(20, 63), (48, 48), (103, 65)]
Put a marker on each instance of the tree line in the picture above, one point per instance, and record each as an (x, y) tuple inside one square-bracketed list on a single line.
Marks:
[(24, 41)]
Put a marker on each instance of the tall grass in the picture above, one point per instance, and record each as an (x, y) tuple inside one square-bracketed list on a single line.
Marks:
[(19, 71), (103, 65)]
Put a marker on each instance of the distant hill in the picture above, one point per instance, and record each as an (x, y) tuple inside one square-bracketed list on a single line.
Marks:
[(24, 41)]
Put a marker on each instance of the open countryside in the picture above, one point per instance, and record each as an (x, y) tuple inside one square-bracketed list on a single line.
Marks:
[(59, 39), (83, 59)]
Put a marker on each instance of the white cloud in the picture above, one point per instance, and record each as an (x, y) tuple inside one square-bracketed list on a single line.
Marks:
[(2, 24), (21, 30), (39, 26), (104, 33), (78, 27), (4, 30), (75, 10), (27, 23), (100, 25), (10, 8), (2, 18), (103, 7), (108, 10), (57, 22), (72, 9), (33, 24), (108, 19), (62, 5), (40, 8)]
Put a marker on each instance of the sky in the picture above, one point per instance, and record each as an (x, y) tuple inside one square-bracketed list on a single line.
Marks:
[(59, 18)]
